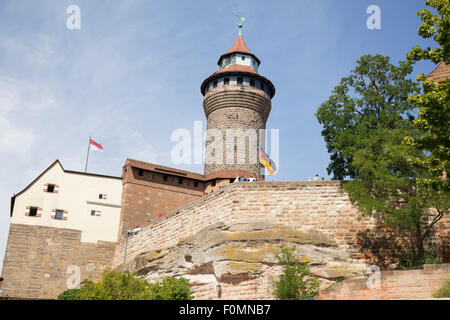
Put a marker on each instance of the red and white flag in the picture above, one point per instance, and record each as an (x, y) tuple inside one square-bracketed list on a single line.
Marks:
[(95, 145)]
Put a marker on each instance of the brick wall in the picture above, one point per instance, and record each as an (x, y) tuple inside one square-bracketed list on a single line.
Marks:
[(315, 205), (146, 197), (37, 260), (171, 228), (393, 285)]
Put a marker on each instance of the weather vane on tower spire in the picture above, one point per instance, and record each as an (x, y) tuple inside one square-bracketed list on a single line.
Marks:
[(241, 19)]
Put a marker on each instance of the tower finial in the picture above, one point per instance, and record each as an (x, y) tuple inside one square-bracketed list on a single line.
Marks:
[(241, 19)]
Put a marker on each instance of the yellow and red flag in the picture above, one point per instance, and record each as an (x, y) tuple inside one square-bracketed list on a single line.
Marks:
[(267, 162)]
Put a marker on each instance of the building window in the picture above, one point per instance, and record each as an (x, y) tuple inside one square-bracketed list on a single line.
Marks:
[(102, 196), (141, 172), (214, 83), (51, 188), (165, 177), (243, 58), (33, 211), (252, 82), (59, 214), (195, 183), (214, 183), (226, 81), (262, 86), (180, 180), (95, 213), (240, 80)]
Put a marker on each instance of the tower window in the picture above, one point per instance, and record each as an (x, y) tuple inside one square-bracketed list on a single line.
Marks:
[(214, 183), (262, 86), (226, 81), (196, 183), (240, 80), (141, 172), (252, 82), (165, 177), (243, 58), (214, 83), (180, 180)]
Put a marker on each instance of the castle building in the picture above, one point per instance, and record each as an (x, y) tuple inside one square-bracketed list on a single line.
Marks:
[(67, 226), (237, 103)]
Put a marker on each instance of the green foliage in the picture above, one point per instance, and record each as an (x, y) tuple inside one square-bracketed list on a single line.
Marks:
[(296, 281), (70, 294), (436, 26), (373, 96), (443, 291), (409, 260), (434, 103), (126, 286), (171, 289), (365, 121)]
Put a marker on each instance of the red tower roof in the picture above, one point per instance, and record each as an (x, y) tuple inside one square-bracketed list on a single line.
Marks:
[(239, 46)]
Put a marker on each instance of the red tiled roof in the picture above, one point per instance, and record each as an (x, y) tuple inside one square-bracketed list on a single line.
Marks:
[(237, 67), (239, 46)]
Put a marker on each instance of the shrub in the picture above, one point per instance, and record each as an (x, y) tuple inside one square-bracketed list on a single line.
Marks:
[(412, 259), (295, 282), (443, 291), (70, 294), (171, 289), (126, 286)]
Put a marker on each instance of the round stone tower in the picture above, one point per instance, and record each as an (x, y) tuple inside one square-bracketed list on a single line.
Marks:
[(237, 103)]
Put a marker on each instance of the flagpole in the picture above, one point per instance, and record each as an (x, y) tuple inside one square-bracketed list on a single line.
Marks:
[(87, 157)]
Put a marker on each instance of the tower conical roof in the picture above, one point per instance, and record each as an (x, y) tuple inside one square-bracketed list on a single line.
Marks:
[(239, 46)]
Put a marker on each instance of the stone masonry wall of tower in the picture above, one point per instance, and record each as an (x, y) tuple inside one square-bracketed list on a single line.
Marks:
[(236, 107)]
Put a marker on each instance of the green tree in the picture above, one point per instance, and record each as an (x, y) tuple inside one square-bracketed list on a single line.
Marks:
[(373, 96), (434, 103), (296, 281), (126, 286), (365, 121)]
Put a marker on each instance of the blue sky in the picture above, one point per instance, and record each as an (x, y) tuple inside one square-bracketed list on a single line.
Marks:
[(132, 74)]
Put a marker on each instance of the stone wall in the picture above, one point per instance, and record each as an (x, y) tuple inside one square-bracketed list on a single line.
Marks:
[(146, 197), (393, 285), (241, 109), (226, 242), (37, 260)]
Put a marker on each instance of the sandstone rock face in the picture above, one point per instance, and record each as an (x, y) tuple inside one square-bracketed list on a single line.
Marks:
[(226, 242), (233, 254)]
